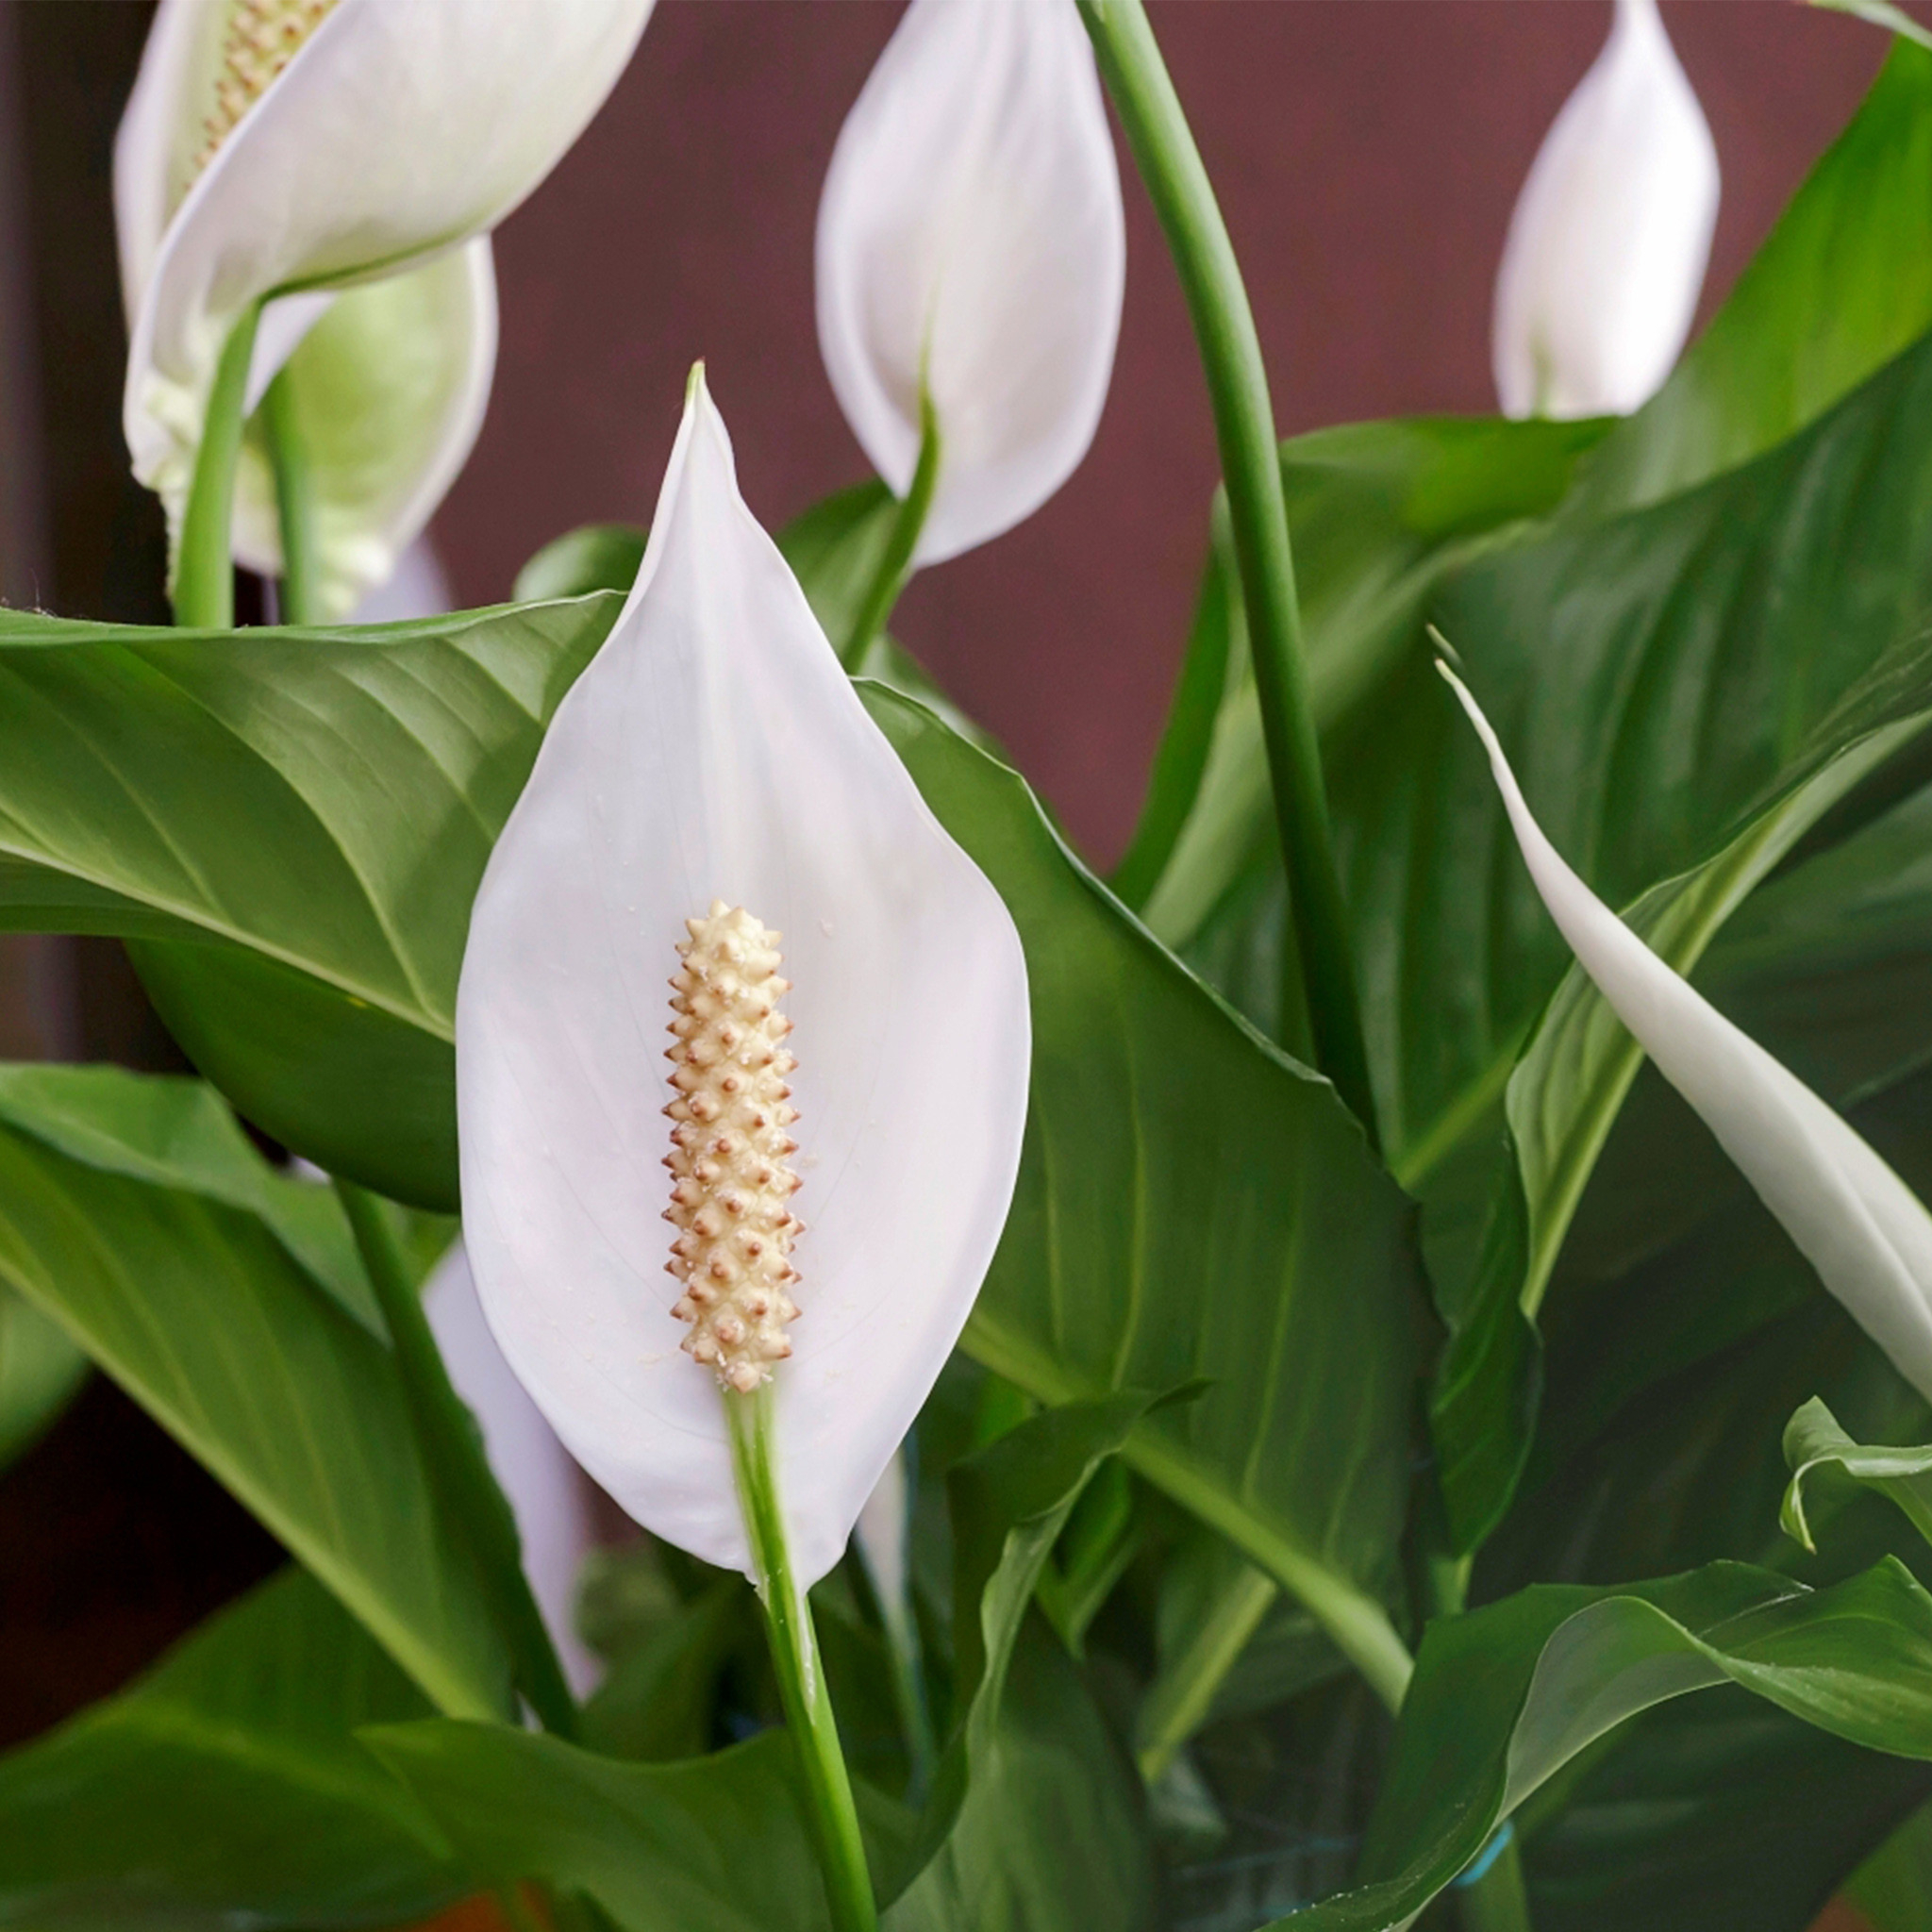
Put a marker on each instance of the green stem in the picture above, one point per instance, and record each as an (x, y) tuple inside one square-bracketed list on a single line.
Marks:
[(1498, 1899), (801, 1677), (205, 567), (895, 563), (301, 588), (1183, 1694), (1157, 130), (452, 1450)]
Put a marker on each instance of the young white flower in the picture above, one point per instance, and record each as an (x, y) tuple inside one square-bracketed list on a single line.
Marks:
[(1609, 239), (711, 793), (971, 239), (288, 148), (1865, 1232)]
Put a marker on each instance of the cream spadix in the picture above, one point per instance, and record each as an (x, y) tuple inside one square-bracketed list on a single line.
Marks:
[(713, 752), (290, 148), (1609, 239), (1864, 1231), (971, 242)]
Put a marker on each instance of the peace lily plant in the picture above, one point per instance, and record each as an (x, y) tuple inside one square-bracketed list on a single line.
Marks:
[(1254, 1393)]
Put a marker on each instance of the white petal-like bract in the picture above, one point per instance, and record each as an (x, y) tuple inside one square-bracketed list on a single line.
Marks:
[(1610, 235), (713, 750), (545, 1489), (1864, 1231), (398, 129), (971, 237)]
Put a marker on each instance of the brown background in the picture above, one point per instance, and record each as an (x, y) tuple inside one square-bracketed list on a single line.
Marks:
[(1367, 152)]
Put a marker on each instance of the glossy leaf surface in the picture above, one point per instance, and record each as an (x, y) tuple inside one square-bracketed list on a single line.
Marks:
[(1507, 1696), (310, 814), (1192, 1205), (172, 1267)]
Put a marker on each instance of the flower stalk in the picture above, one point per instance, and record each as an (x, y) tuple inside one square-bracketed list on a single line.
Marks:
[(1176, 181), (894, 569), (795, 1661), (296, 504), (204, 568)]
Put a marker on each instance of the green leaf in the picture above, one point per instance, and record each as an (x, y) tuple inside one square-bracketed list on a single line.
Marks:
[(1712, 1810), (1842, 284), (715, 1844), (1893, 1888), (226, 1788), (1504, 1697), (179, 1268), (598, 556), (1053, 1835), (1378, 511), (310, 812), (1814, 1441), (41, 1371), (1192, 1204)]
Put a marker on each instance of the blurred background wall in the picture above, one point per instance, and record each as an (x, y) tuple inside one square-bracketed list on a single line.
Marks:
[(1367, 153)]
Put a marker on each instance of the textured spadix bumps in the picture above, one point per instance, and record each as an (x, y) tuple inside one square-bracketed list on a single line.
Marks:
[(732, 1190), (286, 150), (714, 751)]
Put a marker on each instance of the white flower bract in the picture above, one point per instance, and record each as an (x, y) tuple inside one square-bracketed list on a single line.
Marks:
[(713, 750), (1610, 235), (1864, 1231), (369, 138), (970, 238)]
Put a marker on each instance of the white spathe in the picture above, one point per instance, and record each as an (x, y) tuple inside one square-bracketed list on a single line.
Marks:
[(400, 129), (1864, 1231), (1610, 235), (545, 1489), (714, 750), (970, 235)]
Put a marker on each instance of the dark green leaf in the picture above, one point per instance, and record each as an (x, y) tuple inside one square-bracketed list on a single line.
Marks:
[(1716, 1810), (1053, 1835), (225, 1789), (717, 1844), (1191, 1206), (160, 1241), (1504, 1697), (1378, 511), (598, 556)]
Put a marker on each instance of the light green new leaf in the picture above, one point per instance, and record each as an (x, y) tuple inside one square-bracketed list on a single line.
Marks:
[(1504, 1697), (1193, 1205), (1814, 1442), (181, 1269), (226, 1788)]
